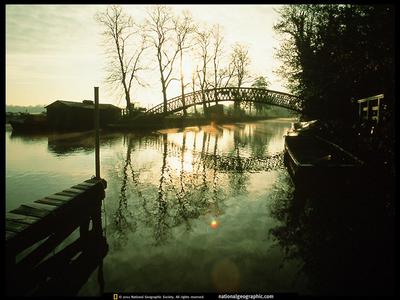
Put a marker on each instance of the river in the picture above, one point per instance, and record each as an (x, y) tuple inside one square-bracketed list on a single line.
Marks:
[(200, 209)]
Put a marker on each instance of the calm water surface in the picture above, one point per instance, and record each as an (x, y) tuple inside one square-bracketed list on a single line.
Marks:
[(185, 210)]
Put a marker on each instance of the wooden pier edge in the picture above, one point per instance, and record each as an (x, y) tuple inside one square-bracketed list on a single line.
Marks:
[(48, 221)]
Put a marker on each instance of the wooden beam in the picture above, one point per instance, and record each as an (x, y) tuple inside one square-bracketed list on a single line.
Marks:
[(22, 218), (72, 191), (96, 127), (53, 202), (60, 197), (28, 210), (371, 98), (16, 227)]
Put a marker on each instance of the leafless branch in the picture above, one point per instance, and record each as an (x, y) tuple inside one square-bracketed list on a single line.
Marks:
[(119, 34)]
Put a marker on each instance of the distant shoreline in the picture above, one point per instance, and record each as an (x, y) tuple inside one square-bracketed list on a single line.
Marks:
[(173, 123), (25, 109)]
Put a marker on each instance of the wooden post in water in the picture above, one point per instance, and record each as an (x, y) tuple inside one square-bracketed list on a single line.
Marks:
[(96, 128)]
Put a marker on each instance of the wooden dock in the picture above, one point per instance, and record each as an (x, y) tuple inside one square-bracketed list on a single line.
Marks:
[(34, 230)]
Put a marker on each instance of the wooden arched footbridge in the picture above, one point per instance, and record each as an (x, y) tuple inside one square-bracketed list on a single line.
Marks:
[(243, 94)]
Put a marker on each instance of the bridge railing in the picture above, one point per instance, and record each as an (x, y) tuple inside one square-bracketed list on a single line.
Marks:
[(248, 94)]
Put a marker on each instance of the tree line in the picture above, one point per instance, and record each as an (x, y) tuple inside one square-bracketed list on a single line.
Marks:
[(170, 38), (333, 53), (28, 109)]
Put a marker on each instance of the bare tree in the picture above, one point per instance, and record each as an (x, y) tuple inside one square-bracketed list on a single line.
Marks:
[(217, 52), (184, 28), (222, 75), (125, 44), (194, 89), (225, 75), (203, 38), (161, 27), (241, 61)]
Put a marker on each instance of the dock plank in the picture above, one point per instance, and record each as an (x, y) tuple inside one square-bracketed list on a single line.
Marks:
[(60, 197), (68, 194), (22, 218), (15, 226), (53, 202), (81, 187), (28, 210), (72, 191), (10, 234), (91, 182), (87, 185), (47, 207)]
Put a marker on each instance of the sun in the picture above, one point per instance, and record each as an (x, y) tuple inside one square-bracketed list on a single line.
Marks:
[(188, 68), (214, 224)]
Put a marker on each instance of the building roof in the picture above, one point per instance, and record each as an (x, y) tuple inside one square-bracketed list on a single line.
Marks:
[(83, 105)]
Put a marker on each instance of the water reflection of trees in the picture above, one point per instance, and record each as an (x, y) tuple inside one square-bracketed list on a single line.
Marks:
[(256, 137), (162, 226), (123, 220), (238, 178), (178, 198), (345, 240), (231, 162), (183, 193), (246, 136), (182, 211)]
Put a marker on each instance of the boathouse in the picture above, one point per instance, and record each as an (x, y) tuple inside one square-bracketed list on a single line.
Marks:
[(79, 115)]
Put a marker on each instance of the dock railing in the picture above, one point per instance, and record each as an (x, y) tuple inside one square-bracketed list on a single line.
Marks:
[(370, 108)]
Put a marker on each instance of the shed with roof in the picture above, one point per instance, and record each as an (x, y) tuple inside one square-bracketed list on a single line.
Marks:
[(79, 115)]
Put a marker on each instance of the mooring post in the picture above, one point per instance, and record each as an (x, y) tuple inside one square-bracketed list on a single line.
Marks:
[(96, 127)]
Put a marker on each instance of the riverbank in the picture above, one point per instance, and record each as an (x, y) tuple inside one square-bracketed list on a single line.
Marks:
[(154, 123)]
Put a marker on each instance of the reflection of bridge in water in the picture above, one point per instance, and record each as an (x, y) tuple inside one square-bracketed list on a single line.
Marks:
[(235, 94), (223, 163), (243, 164)]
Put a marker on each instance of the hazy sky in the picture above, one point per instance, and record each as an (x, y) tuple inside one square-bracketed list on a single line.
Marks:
[(54, 51)]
